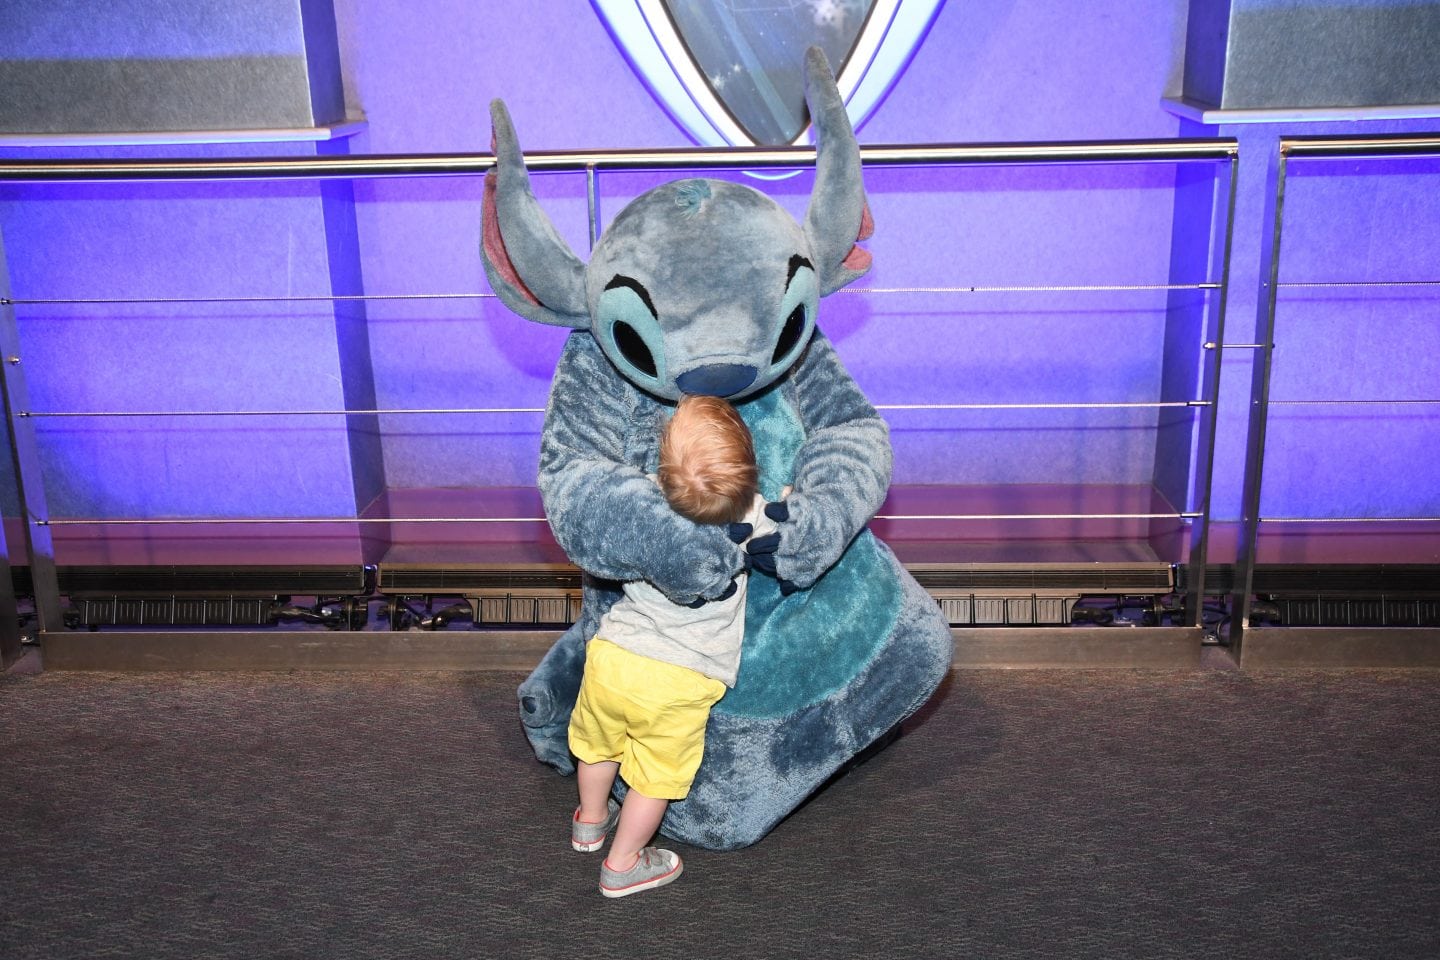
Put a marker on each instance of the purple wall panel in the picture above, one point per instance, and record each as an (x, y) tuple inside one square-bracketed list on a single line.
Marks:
[(180, 241), (1367, 220), (1357, 221), (1022, 70), (423, 75)]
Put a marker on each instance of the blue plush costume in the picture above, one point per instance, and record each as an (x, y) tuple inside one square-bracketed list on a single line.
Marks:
[(705, 286)]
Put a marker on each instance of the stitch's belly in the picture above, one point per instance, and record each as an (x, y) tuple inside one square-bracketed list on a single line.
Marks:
[(803, 648)]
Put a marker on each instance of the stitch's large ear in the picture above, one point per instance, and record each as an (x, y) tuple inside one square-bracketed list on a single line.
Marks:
[(530, 267), (838, 215)]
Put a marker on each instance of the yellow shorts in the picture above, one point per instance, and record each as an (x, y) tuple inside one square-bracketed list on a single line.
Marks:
[(647, 715)]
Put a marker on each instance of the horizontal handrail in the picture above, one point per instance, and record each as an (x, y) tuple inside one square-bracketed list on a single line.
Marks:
[(684, 158), (1345, 148)]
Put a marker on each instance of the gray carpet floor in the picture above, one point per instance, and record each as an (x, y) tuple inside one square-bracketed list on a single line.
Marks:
[(1021, 814)]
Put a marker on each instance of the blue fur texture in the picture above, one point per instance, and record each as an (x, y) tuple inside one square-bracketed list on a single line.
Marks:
[(708, 286), (825, 671)]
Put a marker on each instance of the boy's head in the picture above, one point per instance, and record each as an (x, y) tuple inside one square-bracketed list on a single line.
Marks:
[(707, 461)]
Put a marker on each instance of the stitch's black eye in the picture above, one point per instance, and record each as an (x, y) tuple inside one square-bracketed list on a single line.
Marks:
[(794, 327), (633, 348)]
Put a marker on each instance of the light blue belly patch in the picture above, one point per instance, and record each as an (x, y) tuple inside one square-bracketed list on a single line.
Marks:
[(825, 636)]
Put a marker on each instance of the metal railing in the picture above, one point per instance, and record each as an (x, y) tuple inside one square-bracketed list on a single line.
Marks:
[(1300, 149), (22, 418)]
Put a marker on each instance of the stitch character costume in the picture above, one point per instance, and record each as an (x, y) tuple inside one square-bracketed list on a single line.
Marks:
[(710, 287)]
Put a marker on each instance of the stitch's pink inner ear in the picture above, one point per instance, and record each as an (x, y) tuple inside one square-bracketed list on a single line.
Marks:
[(494, 243), (858, 259)]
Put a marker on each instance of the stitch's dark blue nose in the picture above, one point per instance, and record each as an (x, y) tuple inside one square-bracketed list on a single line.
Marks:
[(716, 379)]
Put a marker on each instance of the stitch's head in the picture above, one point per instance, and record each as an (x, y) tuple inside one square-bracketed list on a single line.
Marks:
[(698, 286), (702, 287)]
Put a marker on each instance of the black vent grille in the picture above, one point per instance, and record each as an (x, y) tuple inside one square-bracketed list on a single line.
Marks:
[(1333, 580), (462, 580), (165, 611), (1373, 612), (236, 581), (1097, 578)]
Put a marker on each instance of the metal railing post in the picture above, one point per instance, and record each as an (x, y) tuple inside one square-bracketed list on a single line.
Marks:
[(1209, 415), (1271, 222), (29, 481)]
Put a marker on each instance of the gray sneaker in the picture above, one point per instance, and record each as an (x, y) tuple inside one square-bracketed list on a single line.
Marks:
[(655, 868), (589, 837)]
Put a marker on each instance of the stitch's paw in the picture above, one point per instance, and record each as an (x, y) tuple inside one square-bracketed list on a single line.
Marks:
[(779, 511), (761, 551), (699, 602), (739, 532)]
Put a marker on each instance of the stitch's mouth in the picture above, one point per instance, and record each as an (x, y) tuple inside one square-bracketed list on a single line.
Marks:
[(717, 379)]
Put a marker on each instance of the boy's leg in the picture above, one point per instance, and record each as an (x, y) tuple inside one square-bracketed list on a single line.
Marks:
[(595, 781), (640, 818), (588, 829)]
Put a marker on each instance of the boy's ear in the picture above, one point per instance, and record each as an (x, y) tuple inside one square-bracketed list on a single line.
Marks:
[(529, 266), (838, 214)]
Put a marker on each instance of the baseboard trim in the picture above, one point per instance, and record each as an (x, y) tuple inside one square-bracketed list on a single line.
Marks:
[(1166, 648), (1384, 648), (1078, 648), (284, 650)]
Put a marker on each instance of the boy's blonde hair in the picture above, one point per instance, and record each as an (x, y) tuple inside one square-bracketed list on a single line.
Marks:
[(707, 461)]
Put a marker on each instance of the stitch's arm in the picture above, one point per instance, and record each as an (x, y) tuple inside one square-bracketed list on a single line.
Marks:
[(609, 517), (842, 471)]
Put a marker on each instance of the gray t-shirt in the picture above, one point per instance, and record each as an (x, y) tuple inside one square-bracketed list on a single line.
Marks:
[(706, 639)]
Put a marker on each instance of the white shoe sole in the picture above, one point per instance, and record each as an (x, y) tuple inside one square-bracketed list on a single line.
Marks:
[(643, 885), (592, 845)]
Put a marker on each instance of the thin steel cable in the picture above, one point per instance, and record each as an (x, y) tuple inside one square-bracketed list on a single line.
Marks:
[(21, 301), (1334, 403), (1068, 288), (1128, 405), (1037, 516), (1350, 519), (1045, 288), (99, 521), (55, 414), (49, 414), (1360, 283), (129, 521)]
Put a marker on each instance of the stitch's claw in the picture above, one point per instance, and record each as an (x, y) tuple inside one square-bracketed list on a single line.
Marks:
[(762, 552), (699, 602)]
